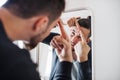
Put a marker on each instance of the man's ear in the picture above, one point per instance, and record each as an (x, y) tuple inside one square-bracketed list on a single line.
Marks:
[(40, 23)]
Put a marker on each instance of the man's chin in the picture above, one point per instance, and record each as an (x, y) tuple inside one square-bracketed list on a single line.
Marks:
[(32, 44)]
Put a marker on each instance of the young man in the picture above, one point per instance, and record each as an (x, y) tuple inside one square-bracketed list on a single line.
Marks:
[(81, 69), (29, 20)]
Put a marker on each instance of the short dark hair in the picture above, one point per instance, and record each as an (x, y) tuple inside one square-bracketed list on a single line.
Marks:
[(86, 23), (30, 8)]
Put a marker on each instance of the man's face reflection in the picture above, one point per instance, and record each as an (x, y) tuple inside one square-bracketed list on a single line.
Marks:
[(75, 36)]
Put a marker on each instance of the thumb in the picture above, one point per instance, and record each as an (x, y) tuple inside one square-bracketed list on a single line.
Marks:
[(64, 42)]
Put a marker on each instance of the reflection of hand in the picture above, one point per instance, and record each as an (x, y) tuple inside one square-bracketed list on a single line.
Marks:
[(62, 45), (63, 48), (81, 48), (71, 21)]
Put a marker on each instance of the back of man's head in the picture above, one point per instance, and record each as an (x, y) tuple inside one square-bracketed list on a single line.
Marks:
[(30, 8)]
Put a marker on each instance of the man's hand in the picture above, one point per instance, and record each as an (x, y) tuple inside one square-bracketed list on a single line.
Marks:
[(71, 21), (62, 45)]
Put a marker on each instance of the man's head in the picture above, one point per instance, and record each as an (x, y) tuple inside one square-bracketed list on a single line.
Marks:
[(85, 26), (30, 8), (41, 16)]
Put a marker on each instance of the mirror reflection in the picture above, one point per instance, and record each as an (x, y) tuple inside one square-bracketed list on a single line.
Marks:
[(77, 24)]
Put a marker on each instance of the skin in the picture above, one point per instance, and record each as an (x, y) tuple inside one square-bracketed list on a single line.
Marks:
[(75, 36)]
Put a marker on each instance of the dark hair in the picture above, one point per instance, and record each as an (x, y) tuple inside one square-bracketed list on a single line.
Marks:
[(30, 8), (86, 23)]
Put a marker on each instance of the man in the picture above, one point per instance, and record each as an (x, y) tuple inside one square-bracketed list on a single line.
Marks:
[(31, 21), (83, 60)]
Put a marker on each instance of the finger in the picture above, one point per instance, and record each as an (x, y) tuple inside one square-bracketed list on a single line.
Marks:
[(71, 21), (65, 43), (52, 44), (80, 31), (76, 24), (82, 36), (55, 43), (63, 33), (58, 41)]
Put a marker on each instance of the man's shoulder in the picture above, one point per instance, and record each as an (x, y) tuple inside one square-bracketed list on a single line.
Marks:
[(11, 51), (9, 47), (16, 62), (11, 55)]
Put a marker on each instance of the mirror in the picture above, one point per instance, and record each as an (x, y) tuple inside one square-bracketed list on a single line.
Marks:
[(46, 58)]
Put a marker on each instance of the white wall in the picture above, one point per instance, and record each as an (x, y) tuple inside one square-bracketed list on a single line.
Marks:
[(106, 15)]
